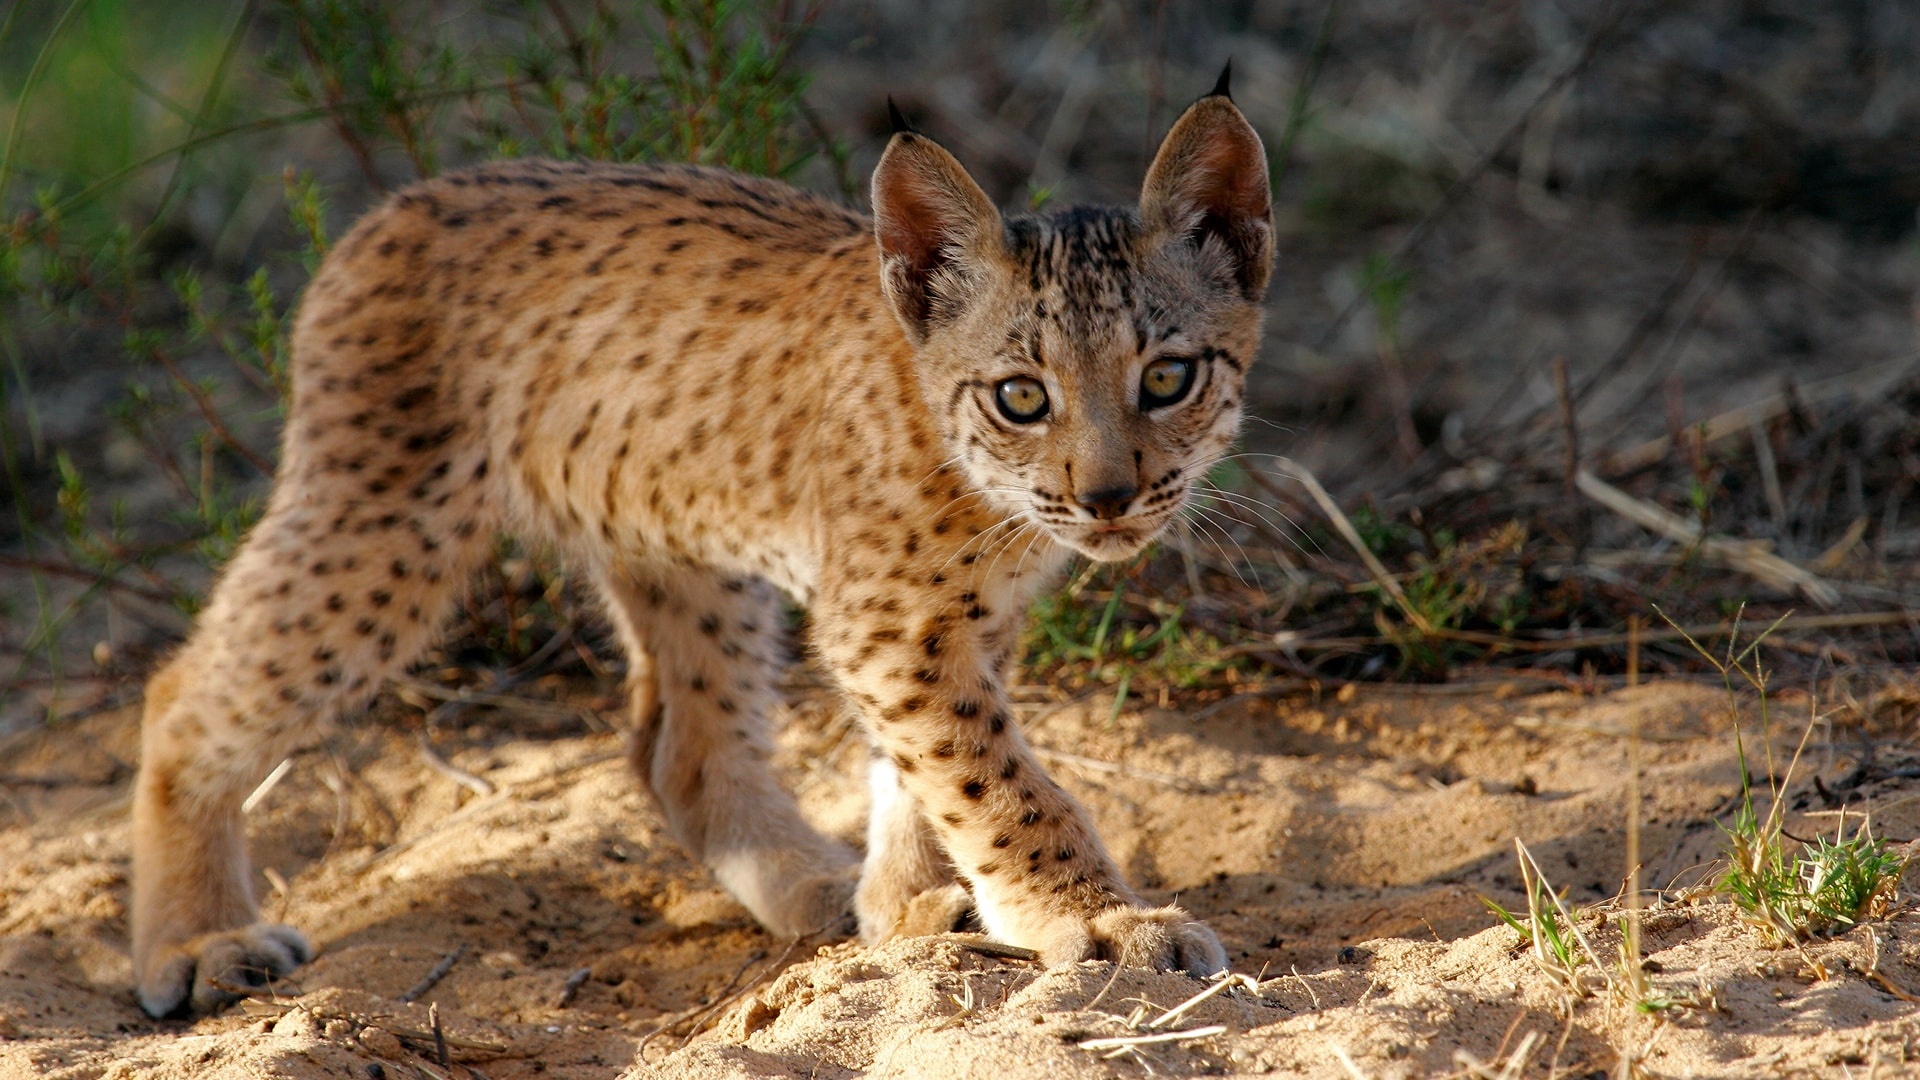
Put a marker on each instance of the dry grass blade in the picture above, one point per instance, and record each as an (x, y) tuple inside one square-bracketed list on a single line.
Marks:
[(1747, 557), (1224, 981), (1126, 1042), (265, 787), (1515, 1067), (1342, 524)]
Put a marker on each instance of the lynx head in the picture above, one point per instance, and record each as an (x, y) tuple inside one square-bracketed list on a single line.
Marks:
[(1086, 365)]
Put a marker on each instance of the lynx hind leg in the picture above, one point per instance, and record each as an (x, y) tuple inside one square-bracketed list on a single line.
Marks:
[(195, 927), (330, 594), (705, 653), (907, 885)]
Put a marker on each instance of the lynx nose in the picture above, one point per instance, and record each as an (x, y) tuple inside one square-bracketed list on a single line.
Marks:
[(1107, 503)]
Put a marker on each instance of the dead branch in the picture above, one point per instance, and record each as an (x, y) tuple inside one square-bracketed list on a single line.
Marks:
[(1748, 557)]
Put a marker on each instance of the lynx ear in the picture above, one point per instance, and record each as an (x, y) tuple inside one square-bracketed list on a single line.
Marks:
[(936, 230), (1209, 185)]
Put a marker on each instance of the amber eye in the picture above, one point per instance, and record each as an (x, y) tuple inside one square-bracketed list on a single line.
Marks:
[(1021, 399), (1165, 381)]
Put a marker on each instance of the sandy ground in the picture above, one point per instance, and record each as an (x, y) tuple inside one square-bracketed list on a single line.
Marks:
[(1339, 845)]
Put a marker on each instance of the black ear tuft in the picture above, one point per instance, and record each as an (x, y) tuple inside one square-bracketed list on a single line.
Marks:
[(897, 119), (1222, 87)]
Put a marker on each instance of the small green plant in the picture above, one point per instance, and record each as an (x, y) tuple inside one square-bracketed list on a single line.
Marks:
[(1792, 891), (1106, 645), (1850, 878), (1550, 930), (1471, 583), (1379, 534), (1639, 993), (103, 258), (1788, 890)]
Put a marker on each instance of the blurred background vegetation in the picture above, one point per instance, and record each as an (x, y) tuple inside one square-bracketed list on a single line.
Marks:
[(1546, 269)]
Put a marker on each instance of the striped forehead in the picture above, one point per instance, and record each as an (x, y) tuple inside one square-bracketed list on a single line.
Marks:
[(1080, 265)]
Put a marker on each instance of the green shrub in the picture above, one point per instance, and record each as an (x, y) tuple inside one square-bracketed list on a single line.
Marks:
[(130, 245)]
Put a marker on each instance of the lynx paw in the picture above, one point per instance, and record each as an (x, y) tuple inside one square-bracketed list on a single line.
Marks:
[(814, 904), (209, 972), (1165, 938), (889, 908), (940, 910)]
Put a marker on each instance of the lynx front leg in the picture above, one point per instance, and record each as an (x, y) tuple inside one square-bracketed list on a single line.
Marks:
[(704, 652), (930, 692)]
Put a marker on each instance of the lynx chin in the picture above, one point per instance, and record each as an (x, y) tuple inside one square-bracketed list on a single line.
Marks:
[(706, 390)]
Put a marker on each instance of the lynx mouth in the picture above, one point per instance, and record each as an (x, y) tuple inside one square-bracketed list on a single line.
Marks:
[(1109, 541)]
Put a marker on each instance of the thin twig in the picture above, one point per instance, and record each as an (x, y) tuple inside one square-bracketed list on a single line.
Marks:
[(439, 1035), (700, 1013), (1546, 642), (1570, 427), (433, 977), (477, 785), (1649, 321), (480, 806), (1655, 450), (1280, 160), (209, 411), (467, 696), (999, 950), (102, 578)]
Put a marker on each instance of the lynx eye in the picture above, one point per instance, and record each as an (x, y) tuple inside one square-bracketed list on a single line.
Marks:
[(1021, 399), (1165, 381)]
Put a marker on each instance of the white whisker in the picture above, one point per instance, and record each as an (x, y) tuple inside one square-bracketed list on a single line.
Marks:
[(981, 538), (1260, 510), (1001, 549), (1232, 564), (1021, 565)]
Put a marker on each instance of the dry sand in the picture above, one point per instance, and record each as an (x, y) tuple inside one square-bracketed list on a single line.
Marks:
[(1339, 847)]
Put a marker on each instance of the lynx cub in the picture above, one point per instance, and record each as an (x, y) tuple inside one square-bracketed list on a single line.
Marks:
[(703, 388)]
